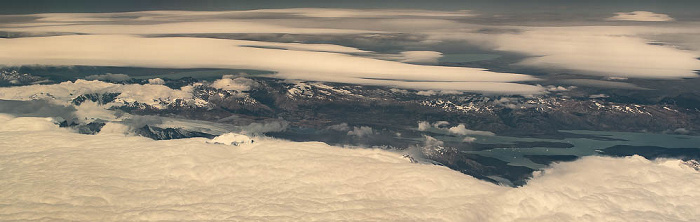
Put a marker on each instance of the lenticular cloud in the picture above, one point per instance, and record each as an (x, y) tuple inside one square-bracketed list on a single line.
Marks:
[(181, 52), (641, 16), (53, 174)]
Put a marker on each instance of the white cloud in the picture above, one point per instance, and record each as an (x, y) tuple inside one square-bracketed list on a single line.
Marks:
[(298, 61), (264, 127), (599, 51), (343, 127), (601, 84), (63, 93), (431, 147), (426, 93), (222, 26), (109, 77), (468, 139), (368, 13), (89, 111), (423, 125), (440, 124), (611, 51), (111, 177), (596, 50), (156, 81), (592, 189), (114, 128), (427, 57), (218, 53), (462, 130), (230, 83), (164, 16), (232, 139), (598, 96), (361, 131), (459, 130), (556, 88), (304, 47), (641, 16), (399, 91), (71, 18)]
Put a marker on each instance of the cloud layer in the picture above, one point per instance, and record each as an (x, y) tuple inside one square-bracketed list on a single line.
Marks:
[(291, 46), (65, 92), (112, 177), (612, 51), (184, 52), (641, 16), (600, 51)]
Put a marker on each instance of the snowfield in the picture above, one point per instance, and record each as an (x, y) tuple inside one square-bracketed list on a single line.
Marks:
[(51, 173)]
